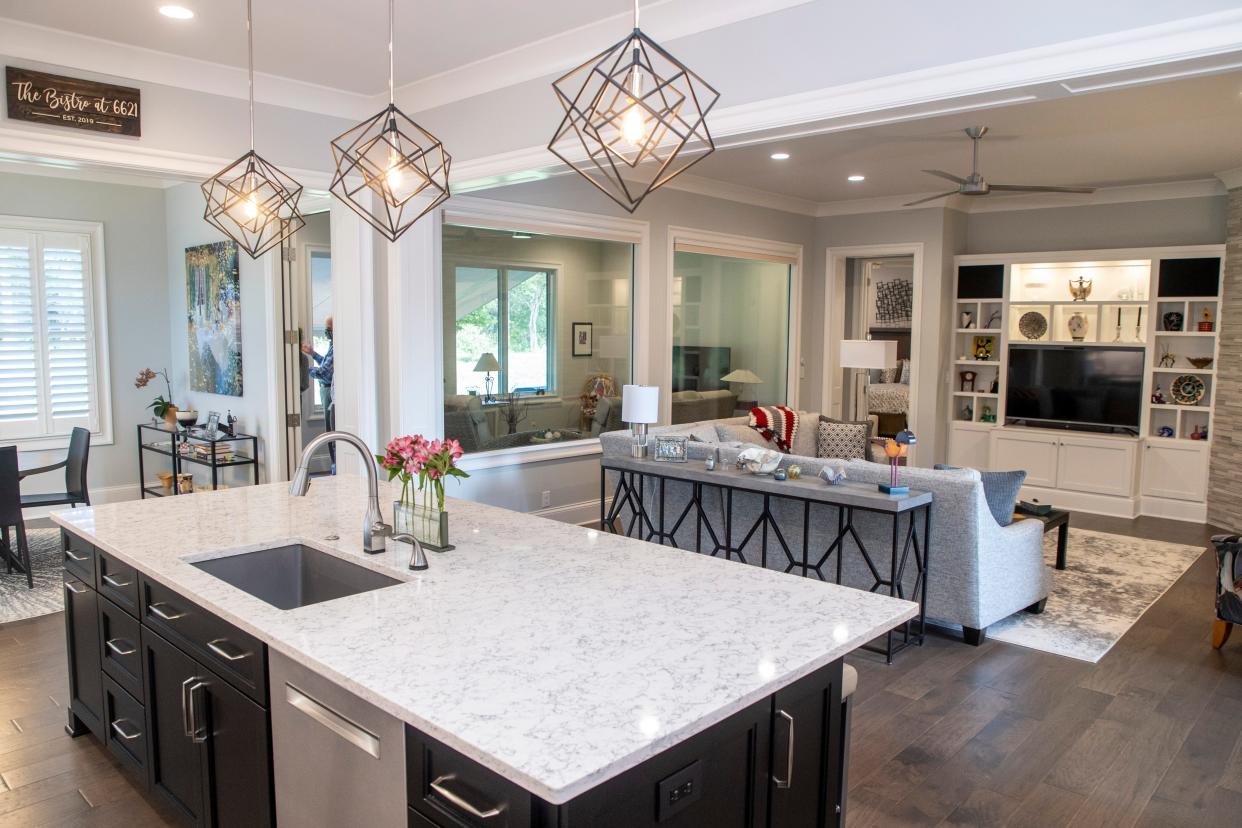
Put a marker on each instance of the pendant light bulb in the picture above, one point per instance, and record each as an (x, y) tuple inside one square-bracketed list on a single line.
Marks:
[(250, 207), (634, 127), (394, 176)]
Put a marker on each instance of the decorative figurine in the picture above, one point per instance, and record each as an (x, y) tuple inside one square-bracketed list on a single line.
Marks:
[(712, 459), (1157, 396), (780, 474), (1200, 433), (1173, 321), (993, 320), (795, 472), (1205, 324), (987, 415), (1080, 289), (1165, 431), (968, 380), (968, 412), (1167, 360), (985, 347), (894, 449), (994, 388), (967, 320)]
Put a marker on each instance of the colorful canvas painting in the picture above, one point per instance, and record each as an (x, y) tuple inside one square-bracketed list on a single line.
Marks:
[(213, 314)]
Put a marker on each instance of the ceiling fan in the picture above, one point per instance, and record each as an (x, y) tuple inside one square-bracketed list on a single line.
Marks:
[(975, 185)]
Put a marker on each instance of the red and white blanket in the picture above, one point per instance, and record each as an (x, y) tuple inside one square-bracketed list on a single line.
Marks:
[(776, 423)]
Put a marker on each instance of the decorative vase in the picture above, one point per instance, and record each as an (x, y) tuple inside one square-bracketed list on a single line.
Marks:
[(1173, 321), (429, 525), (170, 417), (1078, 327)]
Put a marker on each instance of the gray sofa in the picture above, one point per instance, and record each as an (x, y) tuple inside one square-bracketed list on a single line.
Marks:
[(695, 406), (981, 572)]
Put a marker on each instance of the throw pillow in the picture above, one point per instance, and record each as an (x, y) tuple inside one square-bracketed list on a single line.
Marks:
[(742, 434), (847, 441), (903, 370), (1000, 490)]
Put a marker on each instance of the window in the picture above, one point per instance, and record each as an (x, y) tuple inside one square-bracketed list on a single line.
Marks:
[(536, 336), (505, 311), (52, 360)]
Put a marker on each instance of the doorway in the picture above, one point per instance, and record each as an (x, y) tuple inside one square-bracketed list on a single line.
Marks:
[(879, 306), (309, 357)]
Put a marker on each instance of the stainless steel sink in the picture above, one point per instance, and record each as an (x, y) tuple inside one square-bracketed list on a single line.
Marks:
[(288, 577)]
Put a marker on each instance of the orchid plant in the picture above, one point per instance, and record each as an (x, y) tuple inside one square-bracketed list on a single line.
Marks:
[(162, 403), (430, 461)]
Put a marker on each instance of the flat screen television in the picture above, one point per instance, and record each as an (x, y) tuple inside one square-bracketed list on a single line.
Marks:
[(1075, 386)]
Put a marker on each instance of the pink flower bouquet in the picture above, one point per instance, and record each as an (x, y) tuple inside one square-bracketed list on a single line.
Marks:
[(430, 461)]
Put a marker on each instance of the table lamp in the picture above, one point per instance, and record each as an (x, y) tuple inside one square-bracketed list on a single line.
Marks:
[(487, 363), (640, 406), (867, 354), (743, 376)]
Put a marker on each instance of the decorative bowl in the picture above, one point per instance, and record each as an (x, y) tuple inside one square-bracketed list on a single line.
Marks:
[(760, 461), (1200, 362), (187, 418), (1187, 389)]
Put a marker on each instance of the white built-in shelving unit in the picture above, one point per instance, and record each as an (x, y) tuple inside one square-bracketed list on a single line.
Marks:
[(1161, 470)]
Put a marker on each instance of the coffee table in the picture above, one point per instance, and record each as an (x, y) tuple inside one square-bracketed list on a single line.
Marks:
[(1056, 519)]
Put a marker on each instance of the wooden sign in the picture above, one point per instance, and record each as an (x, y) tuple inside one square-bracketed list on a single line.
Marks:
[(52, 99)]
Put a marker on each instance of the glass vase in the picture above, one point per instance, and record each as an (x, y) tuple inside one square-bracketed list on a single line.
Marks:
[(429, 525)]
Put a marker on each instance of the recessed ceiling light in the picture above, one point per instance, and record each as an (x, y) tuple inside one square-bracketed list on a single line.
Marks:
[(177, 12), (523, 236), (780, 156), (857, 177)]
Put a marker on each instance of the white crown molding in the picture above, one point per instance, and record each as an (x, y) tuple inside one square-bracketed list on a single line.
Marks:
[(77, 172), (97, 58), (739, 193), (1199, 188), (1232, 179), (667, 19)]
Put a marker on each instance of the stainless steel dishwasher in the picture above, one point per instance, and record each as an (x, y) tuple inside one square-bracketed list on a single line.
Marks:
[(338, 760)]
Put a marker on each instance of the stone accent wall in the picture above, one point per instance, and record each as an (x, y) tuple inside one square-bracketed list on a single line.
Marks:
[(1225, 480)]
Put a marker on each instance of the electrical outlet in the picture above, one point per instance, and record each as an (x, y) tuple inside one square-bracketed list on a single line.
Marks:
[(545, 500)]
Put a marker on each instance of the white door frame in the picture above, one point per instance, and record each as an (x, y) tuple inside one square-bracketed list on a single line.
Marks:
[(834, 320), (755, 248)]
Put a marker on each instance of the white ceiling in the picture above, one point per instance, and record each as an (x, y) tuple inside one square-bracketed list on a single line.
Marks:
[(1177, 131), (345, 46)]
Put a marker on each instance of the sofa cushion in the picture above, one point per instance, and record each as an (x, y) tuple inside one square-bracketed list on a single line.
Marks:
[(683, 396), (1000, 490), (844, 440), (742, 434), (805, 442), (694, 432)]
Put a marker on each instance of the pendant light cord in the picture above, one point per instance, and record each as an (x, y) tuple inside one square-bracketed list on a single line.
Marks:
[(250, 59), (392, 99)]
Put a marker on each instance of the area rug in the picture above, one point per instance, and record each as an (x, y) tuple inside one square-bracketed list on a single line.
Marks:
[(17, 601), (1108, 583)]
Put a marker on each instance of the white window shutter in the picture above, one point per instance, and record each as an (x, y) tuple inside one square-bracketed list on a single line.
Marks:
[(66, 301), (19, 345)]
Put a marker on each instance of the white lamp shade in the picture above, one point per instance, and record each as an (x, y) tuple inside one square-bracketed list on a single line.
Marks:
[(487, 362), (868, 353), (742, 375), (640, 403)]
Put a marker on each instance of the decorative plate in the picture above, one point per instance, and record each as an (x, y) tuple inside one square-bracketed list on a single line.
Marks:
[(1187, 389), (1033, 325)]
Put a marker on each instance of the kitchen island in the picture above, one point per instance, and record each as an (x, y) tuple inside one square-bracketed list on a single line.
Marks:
[(540, 673)]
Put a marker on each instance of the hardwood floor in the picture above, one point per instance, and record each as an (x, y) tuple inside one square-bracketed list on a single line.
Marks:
[(949, 735)]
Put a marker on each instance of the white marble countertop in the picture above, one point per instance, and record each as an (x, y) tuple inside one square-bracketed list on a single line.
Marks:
[(556, 655)]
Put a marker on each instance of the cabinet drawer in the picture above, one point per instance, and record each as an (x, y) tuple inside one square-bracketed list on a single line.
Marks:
[(120, 647), (451, 789), (79, 557), (417, 820), (127, 729), (237, 657), (117, 581)]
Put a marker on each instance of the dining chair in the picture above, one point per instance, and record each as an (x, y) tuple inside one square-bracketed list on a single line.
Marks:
[(74, 465), (11, 515)]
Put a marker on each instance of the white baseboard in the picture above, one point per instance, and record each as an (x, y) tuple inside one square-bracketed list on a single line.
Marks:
[(100, 495), (581, 514), (1164, 507), (1096, 504)]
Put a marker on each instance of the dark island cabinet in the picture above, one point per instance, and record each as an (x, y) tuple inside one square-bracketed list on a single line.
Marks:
[(176, 693), (771, 765)]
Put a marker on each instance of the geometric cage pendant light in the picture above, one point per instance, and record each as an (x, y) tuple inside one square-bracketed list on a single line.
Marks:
[(389, 170), (252, 201), (635, 118)]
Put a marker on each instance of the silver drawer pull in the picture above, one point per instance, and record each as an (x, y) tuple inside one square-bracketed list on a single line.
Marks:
[(120, 646), (79, 558), (74, 588), (227, 650), (157, 609), (113, 581), (789, 760), (362, 739), (455, 799), (118, 727)]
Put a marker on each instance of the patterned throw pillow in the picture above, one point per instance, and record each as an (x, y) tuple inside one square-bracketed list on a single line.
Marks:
[(847, 441), (903, 371)]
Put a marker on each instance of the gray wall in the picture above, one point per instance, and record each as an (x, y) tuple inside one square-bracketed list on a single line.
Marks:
[(1225, 477), (137, 302)]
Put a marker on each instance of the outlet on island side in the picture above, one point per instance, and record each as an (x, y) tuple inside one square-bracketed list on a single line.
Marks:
[(545, 500)]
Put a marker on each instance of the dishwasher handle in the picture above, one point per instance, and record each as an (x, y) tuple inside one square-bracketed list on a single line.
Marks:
[(356, 735)]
